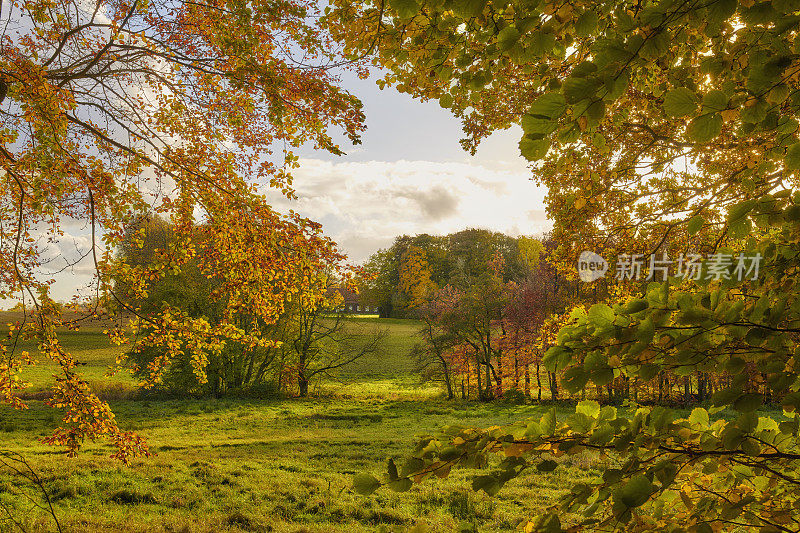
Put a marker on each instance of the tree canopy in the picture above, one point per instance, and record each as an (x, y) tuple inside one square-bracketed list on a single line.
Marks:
[(192, 110), (663, 126)]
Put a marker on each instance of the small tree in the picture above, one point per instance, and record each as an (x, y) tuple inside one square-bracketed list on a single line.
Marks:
[(433, 355), (321, 339)]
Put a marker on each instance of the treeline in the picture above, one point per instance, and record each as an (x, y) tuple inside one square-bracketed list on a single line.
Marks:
[(492, 305), (413, 264), (312, 338)]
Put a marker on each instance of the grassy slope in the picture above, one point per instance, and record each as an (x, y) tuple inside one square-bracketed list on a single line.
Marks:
[(246, 465)]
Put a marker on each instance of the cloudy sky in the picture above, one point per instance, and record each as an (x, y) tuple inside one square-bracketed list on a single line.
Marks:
[(411, 176), (408, 176)]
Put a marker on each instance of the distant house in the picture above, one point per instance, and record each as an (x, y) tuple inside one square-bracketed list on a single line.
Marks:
[(352, 303)]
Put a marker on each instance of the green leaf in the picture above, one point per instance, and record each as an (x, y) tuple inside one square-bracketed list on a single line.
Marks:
[(791, 402), (766, 423), (602, 435), (549, 523), (541, 42), (534, 149), (646, 330), (635, 492), (680, 102), (732, 437), (792, 213), (792, 159), (755, 113), (748, 402), (740, 228), (508, 37), (412, 466), (648, 371), (446, 100), (392, 470), (548, 465), (584, 69), (726, 396), (705, 128), (449, 454), (586, 24), (656, 45), (635, 306), (601, 314), (740, 210), (661, 417), (588, 407), (488, 484), (405, 8), (694, 225), (786, 6), (577, 89), (468, 8), (535, 124), (579, 422), (596, 110), (699, 416), (602, 376), (715, 101), (548, 105), (721, 10), (548, 422), (400, 485), (574, 379), (365, 484)]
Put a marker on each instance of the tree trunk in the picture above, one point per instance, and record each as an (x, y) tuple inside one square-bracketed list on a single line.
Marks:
[(538, 383), (488, 393), (553, 385), (448, 382), (701, 386), (302, 380), (478, 380), (687, 388), (528, 381)]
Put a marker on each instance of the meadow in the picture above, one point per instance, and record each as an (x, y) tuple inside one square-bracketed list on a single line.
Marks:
[(284, 465)]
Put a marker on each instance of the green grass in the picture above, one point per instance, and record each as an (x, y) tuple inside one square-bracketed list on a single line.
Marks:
[(283, 465)]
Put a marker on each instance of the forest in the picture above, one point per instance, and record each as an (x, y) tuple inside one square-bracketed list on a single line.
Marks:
[(180, 351)]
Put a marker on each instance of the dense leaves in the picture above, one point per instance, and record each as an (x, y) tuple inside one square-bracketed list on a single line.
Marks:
[(640, 116), (113, 109), (658, 127)]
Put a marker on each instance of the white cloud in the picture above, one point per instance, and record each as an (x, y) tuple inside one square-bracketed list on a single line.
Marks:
[(364, 205)]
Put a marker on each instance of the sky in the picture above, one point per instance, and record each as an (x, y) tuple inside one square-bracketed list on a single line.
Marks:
[(409, 176)]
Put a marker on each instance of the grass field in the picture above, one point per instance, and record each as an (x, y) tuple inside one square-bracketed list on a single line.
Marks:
[(279, 465)]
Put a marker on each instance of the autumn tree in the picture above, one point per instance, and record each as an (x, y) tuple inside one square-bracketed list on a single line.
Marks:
[(233, 368), (415, 278), (531, 302), (320, 339), (658, 127), (112, 109), (433, 354), (453, 259)]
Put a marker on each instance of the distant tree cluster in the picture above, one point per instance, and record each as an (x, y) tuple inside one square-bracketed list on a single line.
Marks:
[(410, 271)]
